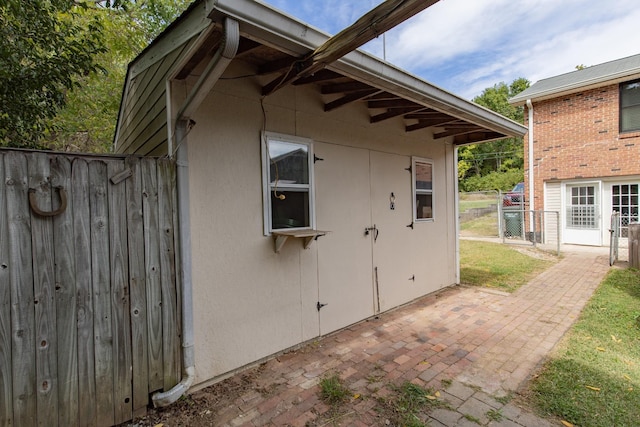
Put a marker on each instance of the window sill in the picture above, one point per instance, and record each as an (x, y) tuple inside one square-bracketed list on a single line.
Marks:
[(281, 236)]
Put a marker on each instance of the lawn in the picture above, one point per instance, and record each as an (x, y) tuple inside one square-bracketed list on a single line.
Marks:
[(499, 266), (484, 226), (593, 378)]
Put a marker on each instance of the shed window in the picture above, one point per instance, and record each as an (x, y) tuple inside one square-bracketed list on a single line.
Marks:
[(422, 172), (630, 106), (287, 169)]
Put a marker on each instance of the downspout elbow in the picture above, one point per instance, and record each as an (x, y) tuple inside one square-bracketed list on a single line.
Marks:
[(168, 397)]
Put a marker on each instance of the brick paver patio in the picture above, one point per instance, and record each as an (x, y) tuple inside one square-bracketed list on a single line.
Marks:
[(473, 345)]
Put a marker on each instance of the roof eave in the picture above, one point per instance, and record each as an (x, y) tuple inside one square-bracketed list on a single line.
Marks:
[(611, 79), (360, 65)]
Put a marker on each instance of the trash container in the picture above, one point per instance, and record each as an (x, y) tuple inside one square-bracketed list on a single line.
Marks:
[(513, 224)]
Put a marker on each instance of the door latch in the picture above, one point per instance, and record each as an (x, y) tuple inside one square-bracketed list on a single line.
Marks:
[(319, 305), (370, 229)]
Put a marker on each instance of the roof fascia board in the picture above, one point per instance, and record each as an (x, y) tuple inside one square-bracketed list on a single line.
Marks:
[(188, 27), (576, 87)]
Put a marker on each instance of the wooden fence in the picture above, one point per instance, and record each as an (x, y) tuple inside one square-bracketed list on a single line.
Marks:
[(89, 307)]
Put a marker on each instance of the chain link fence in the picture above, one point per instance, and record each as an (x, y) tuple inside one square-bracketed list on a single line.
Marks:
[(541, 228)]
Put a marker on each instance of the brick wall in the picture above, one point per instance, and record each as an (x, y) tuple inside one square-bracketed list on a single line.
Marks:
[(576, 136)]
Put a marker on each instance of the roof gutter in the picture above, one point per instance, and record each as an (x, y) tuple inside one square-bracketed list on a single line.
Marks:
[(220, 61)]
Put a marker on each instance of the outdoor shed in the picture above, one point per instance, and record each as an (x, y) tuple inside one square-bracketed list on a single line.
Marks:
[(308, 201)]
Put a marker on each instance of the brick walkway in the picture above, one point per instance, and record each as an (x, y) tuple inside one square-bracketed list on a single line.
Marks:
[(473, 345)]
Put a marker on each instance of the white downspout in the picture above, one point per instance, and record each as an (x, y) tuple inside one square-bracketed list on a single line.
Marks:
[(221, 60), (531, 181), (456, 212)]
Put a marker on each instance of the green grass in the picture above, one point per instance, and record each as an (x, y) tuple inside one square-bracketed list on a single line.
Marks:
[(593, 379), (494, 265), (486, 225), (465, 205), (333, 391), (409, 405)]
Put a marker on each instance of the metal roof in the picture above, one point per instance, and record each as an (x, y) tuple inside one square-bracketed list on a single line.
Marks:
[(590, 77)]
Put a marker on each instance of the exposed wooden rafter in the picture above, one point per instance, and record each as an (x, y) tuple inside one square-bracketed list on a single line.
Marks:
[(457, 130), (471, 138), (393, 112), (347, 99)]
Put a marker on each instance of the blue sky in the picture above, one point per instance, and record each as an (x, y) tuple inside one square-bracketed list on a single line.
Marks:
[(465, 46)]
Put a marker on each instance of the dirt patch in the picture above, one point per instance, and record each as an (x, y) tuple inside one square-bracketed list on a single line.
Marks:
[(207, 406)]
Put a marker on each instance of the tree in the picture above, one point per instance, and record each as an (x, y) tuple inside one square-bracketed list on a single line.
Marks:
[(42, 48), (87, 122), (51, 48), (498, 156)]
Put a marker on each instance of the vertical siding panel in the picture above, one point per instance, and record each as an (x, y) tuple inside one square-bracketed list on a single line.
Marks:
[(6, 405), (137, 288), (152, 268), (84, 300), (120, 296), (170, 319), (103, 334), (21, 279), (65, 291)]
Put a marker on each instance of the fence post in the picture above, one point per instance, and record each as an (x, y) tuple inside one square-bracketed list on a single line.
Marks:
[(634, 253)]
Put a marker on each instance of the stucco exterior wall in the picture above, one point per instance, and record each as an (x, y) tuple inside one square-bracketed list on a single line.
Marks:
[(250, 302), (577, 136)]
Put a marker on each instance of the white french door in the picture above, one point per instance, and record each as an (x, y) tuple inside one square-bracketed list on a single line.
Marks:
[(582, 214)]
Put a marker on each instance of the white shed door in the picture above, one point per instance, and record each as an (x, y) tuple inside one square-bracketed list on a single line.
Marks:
[(364, 199), (343, 207), (391, 183)]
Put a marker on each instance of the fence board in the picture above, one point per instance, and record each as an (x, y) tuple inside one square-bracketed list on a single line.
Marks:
[(102, 317), (120, 296), (65, 291), (138, 294), (84, 291), (44, 295), (152, 268), (21, 279), (6, 405), (170, 336)]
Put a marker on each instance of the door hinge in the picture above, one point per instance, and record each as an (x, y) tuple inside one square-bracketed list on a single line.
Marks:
[(319, 305)]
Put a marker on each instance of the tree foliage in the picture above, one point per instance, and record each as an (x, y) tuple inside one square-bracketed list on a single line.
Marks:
[(43, 47), (495, 157), (63, 67)]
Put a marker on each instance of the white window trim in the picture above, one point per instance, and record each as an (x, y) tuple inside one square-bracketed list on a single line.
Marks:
[(415, 191), (266, 184)]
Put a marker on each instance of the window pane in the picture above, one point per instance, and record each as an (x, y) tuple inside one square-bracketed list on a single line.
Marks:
[(630, 94), (424, 206), (630, 118), (289, 163), (290, 212), (424, 178)]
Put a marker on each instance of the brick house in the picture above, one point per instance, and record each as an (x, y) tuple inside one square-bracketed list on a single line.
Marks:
[(582, 149)]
